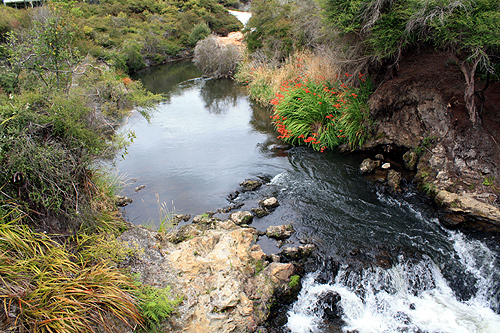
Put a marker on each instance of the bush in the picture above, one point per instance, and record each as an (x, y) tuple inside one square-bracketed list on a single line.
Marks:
[(320, 114), (215, 59), (199, 32)]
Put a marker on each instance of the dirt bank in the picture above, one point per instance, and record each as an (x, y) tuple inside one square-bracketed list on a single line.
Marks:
[(421, 108)]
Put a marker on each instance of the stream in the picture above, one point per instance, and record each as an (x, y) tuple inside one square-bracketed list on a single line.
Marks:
[(384, 263)]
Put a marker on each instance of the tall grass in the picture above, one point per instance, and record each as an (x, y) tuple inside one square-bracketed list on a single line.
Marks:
[(46, 288), (264, 77), (321, 114)]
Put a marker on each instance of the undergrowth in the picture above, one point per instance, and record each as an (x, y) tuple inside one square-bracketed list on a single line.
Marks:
[(45, 287), (322, 114)]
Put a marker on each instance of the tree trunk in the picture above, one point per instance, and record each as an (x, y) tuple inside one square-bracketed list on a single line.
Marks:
[(469, 71)]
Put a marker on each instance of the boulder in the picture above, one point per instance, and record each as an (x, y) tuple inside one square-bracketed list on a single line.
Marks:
[(260, 212), (122, 201), (280, 231), (269, 203), (241, 217), (219, 272), (394, 180), (410, 159), (368, 165), (250, 185)]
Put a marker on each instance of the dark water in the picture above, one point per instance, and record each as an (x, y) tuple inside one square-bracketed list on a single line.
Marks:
[(207, 137)]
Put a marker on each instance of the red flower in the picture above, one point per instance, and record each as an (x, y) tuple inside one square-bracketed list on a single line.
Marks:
[(274, 101)]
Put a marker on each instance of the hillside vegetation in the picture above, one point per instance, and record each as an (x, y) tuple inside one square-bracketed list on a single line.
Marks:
[(64, 89), (339, 41)]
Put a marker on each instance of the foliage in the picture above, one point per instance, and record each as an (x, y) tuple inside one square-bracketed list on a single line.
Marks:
[(131, 33), (199, 32), (44, 52), (294, 281), (50, 143), (156, 304), (216, 59), (469, 30), (264, 78), (281, 27), (321, 114), (45, 288)]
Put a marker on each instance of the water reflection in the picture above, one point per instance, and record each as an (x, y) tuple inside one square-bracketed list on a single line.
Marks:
[(219, 95), (200, 144)]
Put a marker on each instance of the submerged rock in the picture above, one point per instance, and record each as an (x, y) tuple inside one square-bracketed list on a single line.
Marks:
[(410, 158), (280, 231), (269, 203), (394, 180), (122, 201), (368, 165), (138, 188), (260, 212)]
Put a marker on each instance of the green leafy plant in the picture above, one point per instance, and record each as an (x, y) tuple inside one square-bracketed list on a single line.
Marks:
[(489, 181), (294, 281), (156, 304), (321, 114)]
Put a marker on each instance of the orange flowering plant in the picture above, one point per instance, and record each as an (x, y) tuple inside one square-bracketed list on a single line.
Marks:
[(322, 114)]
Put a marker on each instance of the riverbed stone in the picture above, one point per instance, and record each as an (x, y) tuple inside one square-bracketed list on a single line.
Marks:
[(280, 231), (410, 159), (250, 185), (379, 157), (260, 212), (241, 217), (122, 201), (221, 274), (269, 203), (469, 205), (394, 179), (386, 166), (368, 165)]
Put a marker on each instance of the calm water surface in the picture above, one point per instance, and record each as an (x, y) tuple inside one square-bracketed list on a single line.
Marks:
[(207, 137)]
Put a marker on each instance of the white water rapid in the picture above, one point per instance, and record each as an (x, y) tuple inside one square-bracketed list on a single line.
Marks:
[(409, 297)]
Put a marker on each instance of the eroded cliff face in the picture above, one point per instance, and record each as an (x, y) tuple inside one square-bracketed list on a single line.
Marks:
[(422, 108)]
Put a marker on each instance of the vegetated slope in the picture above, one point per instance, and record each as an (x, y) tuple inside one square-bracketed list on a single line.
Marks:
[(429, 62)]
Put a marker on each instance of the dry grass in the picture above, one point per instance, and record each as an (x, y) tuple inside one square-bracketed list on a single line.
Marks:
[(265, 78), (46, 288)]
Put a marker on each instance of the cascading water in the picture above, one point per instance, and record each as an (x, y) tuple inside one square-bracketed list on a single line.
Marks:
[(396, 269)]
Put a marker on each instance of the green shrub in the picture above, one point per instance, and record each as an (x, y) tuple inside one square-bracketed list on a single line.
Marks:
[(322, 115), (199, 32)]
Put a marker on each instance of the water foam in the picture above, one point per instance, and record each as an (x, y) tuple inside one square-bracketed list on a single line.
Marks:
[(409, 297)]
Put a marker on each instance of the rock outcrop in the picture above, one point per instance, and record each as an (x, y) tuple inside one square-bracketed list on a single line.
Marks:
[(421, 109), (220, 272)]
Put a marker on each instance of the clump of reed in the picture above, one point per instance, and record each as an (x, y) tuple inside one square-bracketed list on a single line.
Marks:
[(45, 287)]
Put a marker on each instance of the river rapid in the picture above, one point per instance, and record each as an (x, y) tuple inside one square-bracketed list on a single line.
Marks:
[(383, 264)]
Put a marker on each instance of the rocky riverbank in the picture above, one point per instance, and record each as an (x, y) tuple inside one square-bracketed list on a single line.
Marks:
[(421, 109), (225, 280)]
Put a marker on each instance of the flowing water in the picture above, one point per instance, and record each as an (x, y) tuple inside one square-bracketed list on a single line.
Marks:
[(384, 262)]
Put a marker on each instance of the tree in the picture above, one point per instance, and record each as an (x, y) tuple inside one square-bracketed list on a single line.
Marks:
[(45, 50)]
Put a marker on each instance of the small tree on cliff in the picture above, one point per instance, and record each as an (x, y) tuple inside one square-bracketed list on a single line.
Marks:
[(468, 29)]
